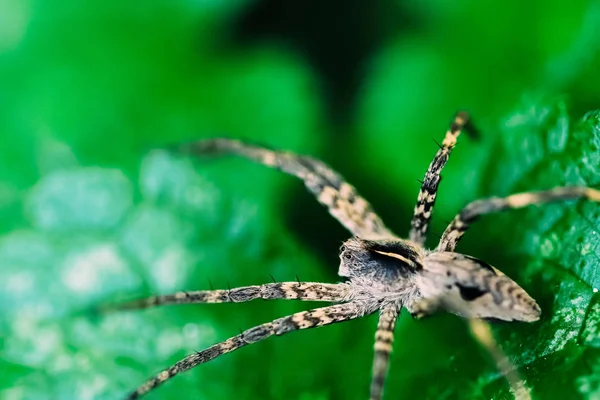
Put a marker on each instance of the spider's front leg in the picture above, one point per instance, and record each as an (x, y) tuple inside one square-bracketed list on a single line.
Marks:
[(472, 211), (384, 339), (307, 291), (422, 213), (302, 320), (342, 199)]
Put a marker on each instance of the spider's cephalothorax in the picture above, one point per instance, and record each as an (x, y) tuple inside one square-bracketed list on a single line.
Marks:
[(384, 272)]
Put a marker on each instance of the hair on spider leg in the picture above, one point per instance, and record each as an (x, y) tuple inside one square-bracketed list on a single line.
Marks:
[(298, 280), (441, 147), (272, 278)]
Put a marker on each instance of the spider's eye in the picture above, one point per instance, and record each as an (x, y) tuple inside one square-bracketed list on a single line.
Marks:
[(347, 256), (342, 249)]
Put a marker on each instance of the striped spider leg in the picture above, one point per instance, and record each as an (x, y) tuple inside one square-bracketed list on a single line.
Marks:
[(384, 339), (383, 272), (330, 189), (426, 199), (307, 291), (301, 320), (473, 210)]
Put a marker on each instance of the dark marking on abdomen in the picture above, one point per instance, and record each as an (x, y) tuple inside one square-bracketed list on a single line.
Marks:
[(469, 293)]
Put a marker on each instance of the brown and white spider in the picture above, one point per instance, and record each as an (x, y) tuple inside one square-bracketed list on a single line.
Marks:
[(384, 272)]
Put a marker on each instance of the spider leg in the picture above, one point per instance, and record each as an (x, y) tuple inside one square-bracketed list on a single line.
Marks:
[(469, 214), (483, 334), (423, 307), (384, 338), (342, 199), (302, 320), (429, 187), (308, 291)]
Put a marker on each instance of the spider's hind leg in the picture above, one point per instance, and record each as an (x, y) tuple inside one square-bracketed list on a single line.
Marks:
[(483, 334), (426, 200), (302, 320)]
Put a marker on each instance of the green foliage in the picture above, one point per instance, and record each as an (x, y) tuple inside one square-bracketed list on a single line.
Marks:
[(91, 214)]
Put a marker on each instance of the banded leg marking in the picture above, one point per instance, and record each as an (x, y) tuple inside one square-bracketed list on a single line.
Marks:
[(342, 200), (307, 291), (384, 339), (473, 210), (426, 199), (302, 320)]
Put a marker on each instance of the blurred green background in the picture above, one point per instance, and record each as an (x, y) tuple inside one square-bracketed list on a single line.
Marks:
[(91, 212)]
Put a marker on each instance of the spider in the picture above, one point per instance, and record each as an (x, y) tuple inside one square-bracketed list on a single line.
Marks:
[(383, 271)]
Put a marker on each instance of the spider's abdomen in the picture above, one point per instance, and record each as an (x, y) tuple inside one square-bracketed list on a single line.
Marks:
[(384, 262), (472, 288)]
